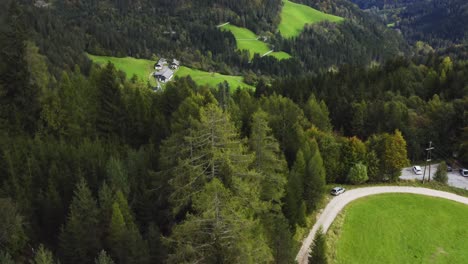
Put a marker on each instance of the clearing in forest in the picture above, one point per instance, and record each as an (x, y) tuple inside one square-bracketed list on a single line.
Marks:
[(212, 78), (295, 16), (143, 69), (247, 40)]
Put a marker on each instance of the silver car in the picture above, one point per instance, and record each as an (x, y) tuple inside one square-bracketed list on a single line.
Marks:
[(337, 191)]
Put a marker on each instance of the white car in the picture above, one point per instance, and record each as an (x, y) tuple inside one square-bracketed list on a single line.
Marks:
[(337, 191), (417, 170), (464, 172)]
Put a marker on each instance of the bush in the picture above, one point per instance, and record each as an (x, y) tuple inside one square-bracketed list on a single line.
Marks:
[(441, 173), (358, 174)]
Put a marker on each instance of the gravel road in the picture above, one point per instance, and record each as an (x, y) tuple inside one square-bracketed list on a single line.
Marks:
[(326, 218)]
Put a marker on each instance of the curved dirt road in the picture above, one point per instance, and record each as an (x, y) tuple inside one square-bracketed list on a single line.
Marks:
[(338, 203)]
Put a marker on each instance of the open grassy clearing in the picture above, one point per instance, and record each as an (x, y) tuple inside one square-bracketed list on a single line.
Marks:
[(131, 66), (247, 40), (212, 79), (400, 228), (295, 16), (143, 68)]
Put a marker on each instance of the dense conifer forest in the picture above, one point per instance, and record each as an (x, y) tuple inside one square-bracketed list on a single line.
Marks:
[(97, 167)]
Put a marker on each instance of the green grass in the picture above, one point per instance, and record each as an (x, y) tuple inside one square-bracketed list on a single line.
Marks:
[(400, 228), (295, 16), (143, 68), (131, 66), (212, 79), (247, 40)]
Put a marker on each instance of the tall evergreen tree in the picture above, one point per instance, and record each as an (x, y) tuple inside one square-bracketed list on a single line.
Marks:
[(43, 256), (318, 114), (103, 258), (294, 207), (80, 238), (220, 231), (12, 234), (314, 175), (319, 249), (19, 98), (268, 159), (110, 117)]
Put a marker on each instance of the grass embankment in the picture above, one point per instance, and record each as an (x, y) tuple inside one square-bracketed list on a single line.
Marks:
[(143, 69), (212, 79), (131, 66), (295, 16), (247, 40), (400, 228)]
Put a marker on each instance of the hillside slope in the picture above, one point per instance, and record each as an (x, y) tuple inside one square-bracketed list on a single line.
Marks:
[(440, 23), (295, 16)]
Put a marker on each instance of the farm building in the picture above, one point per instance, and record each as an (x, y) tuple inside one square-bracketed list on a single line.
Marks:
[(160, 64), (164, 75), (175, 64)]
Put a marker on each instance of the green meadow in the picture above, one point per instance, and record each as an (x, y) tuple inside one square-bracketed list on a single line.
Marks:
[(131, 66), (212, 79), (400, 228), (247, 40), (143, 69), (295, 16)]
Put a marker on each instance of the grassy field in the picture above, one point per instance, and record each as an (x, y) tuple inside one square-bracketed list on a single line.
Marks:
[(212, 79), (247, 40), (400, 228), (295, 16), (143, 68), (131, 66)]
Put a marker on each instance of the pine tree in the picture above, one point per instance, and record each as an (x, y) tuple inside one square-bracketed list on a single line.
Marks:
[(318, 249), (43, 256), (5, 258), (110, 108), (317, 113), (314, 175), (19, 98), (12, 234), (220, 231), (80, 238), (268, 159), (210, 149), (294, 205), (103, 258)]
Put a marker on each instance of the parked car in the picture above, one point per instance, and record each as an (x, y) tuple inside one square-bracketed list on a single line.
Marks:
[(449, 168), (464, 172), (417, 170), (337, 191)]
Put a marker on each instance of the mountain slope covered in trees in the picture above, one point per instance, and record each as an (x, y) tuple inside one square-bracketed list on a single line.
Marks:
[(187, 30), (440, 23), (96, 167)]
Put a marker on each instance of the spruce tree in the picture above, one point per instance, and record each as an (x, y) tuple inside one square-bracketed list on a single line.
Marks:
[(103, 258), (80, 237), (220, 231), (294, 206), (314, 175), (268, 159), (318, 249), (19, 98), (43, 256), (110, 108)]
